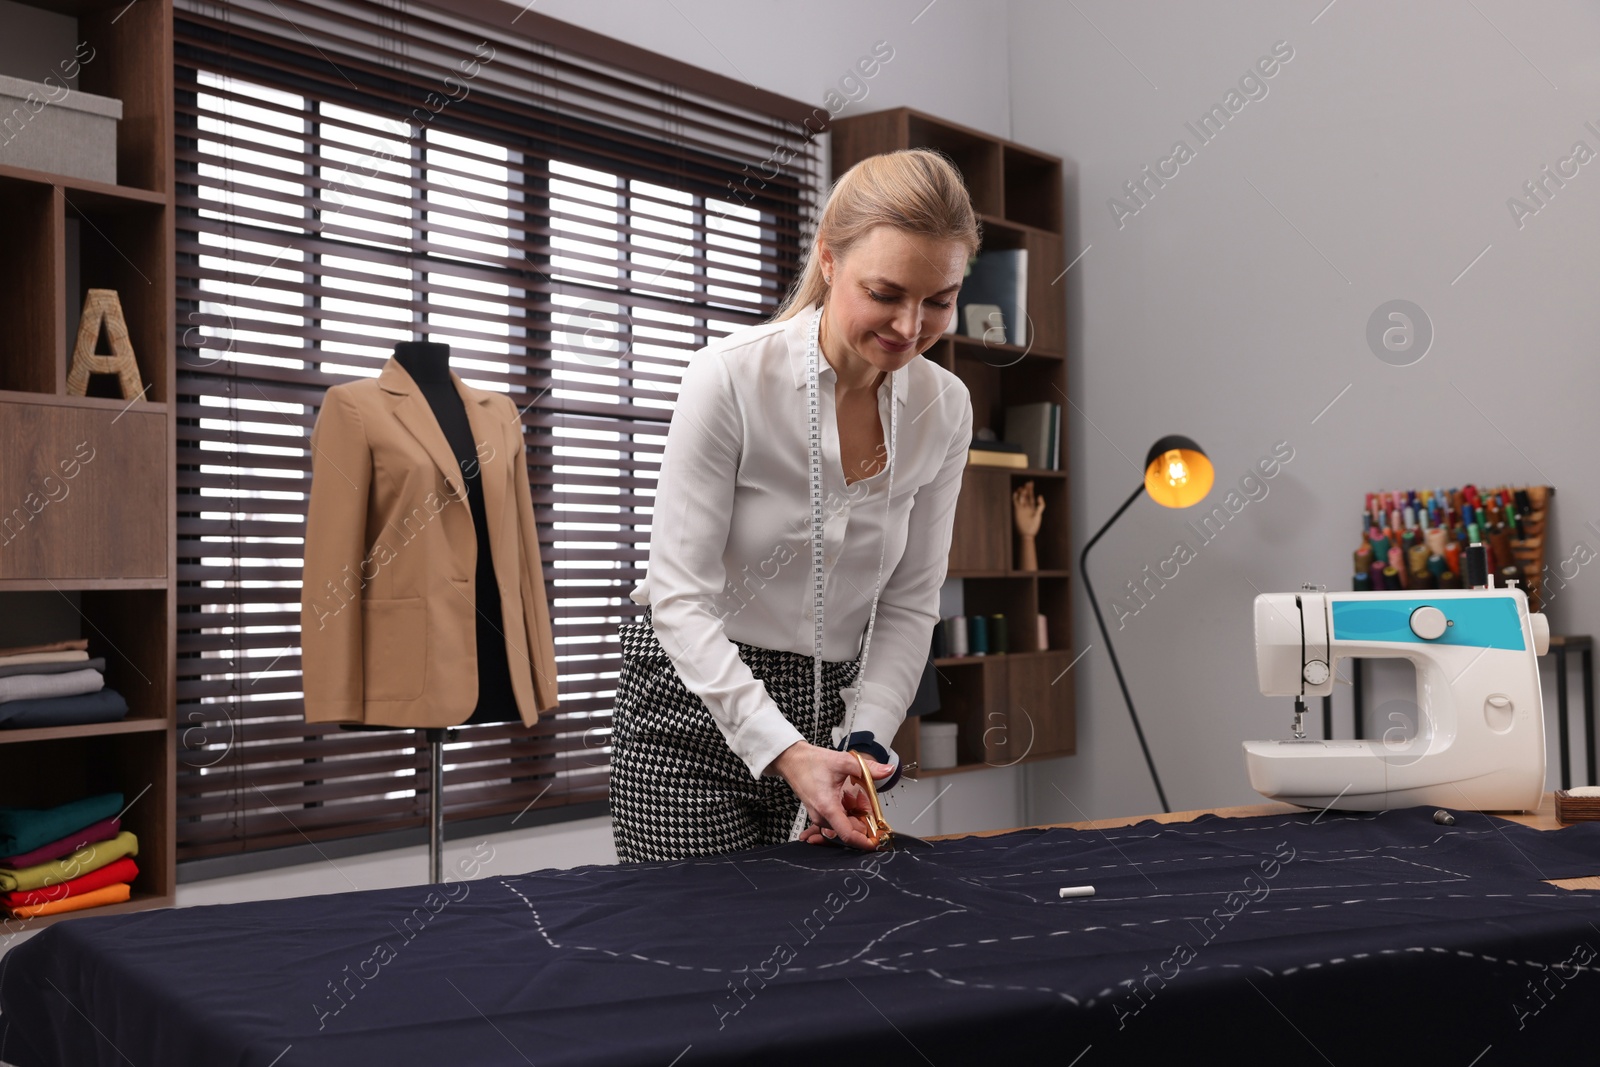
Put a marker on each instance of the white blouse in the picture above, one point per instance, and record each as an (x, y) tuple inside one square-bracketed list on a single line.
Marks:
[(730, 536)]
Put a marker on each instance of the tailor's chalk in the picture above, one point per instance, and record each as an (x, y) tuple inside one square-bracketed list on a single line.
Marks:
[(1076, 891)]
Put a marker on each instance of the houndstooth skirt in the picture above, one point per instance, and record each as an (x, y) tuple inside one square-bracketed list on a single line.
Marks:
[(677, 789)]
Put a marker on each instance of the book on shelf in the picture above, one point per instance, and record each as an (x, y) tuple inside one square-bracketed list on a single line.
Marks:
[(980, 457), (1055, 437), (1000, 277), (1036, 428), (989, 453)]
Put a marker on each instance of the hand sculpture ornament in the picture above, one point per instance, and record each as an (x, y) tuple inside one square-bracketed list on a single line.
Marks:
[(1027, 510)]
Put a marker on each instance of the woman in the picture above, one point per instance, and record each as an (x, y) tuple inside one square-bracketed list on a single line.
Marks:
[(719, 743)]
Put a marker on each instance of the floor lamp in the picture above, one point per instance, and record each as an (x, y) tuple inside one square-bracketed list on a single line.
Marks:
[(1177, 474)]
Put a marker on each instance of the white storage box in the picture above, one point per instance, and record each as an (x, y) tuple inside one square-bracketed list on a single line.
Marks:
[(58, 130), (938, 743)]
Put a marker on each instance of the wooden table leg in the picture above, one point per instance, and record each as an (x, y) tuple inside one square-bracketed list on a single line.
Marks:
[(1588, 706), (1561, 714)]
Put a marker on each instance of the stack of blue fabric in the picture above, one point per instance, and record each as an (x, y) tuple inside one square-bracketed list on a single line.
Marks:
[(56, 684)]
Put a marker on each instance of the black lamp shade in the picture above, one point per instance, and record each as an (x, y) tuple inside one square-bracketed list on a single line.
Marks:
[(1177, 472)]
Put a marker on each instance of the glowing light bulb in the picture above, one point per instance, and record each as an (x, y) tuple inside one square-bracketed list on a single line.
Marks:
[(1177, 469)]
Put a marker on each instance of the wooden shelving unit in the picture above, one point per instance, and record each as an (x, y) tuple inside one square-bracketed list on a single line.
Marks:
[(103, 541), (1015, 707)]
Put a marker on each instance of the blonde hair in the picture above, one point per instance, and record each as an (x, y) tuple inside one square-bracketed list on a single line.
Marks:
[(916, 190)]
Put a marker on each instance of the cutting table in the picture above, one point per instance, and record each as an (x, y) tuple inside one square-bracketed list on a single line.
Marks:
[(1346, 937)]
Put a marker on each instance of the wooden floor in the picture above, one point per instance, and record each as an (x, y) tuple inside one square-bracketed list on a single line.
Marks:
[(1543, 819)]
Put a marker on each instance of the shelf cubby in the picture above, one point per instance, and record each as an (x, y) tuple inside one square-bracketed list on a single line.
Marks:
[(30, 233), (1032, 188), (138, 764)]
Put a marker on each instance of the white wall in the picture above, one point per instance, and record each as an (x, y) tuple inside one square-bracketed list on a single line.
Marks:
[(949, 56), (1233, 308)]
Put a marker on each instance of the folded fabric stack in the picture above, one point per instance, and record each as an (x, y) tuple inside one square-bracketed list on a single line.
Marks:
[(56, 685), (65, 858)]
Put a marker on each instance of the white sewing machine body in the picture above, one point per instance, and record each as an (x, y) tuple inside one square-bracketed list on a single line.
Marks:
[(1479, 742)]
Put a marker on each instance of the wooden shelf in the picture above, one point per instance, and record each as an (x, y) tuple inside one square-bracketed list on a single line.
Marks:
[(1008, 706), (105, 539), (77, 8), (136, 902), (83, 190), (98, 729), (1025, 472), (994, 222), (962, 341), (966, 661), (88, 403), (960, 768), (74, 585)]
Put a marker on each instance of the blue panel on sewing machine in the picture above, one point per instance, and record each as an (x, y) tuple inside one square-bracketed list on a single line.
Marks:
[(1481, 622)]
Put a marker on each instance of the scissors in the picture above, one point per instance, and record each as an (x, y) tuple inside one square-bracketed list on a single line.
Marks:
[(877, 827)]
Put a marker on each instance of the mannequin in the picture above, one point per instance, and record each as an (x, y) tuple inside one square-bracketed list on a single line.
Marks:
[(428, 363), (403, 586)]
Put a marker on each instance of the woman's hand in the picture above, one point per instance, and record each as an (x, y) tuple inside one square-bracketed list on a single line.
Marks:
[(827, 782)]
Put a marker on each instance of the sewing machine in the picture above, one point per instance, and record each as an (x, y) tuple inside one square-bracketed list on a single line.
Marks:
[(1479, 741)]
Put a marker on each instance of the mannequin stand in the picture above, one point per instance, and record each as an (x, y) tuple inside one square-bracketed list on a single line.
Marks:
[(436, 740)]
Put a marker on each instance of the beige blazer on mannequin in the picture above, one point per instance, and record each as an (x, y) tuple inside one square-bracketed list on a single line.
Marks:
[(387, 630)]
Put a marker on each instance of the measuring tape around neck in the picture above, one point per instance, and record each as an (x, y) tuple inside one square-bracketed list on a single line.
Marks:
[(813, 411)]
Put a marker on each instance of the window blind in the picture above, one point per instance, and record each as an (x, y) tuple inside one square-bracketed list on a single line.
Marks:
[(572, 216)]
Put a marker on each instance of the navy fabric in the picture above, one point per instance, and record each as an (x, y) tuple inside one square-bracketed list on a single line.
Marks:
[(103, 705), (1346, 938)]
